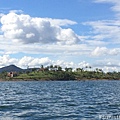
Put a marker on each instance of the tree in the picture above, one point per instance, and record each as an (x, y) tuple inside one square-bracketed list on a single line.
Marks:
[(42, 68), (34, 69), (4, 74), (90, 68), (68, 69), (27, 72), (79, 69), (55, 67), (59, 68), (51, 67)]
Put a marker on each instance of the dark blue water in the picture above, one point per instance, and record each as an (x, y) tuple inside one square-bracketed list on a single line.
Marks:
[(57, 100)]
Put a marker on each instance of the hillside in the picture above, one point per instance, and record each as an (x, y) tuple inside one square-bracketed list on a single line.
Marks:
[(46, 73), (10, 68)]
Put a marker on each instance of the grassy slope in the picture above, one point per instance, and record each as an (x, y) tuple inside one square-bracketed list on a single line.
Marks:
[(64, 75)]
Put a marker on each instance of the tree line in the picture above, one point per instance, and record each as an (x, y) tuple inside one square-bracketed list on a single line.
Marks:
[(56, 72)]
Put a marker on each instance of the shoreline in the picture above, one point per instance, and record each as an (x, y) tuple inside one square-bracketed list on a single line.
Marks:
[(22, 79)]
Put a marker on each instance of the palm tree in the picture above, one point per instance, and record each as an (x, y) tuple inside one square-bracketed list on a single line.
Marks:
[(59, 68), (55, 67), (79, 69), (47, 68), (51, 67), (68, 69), (42, 68), (86, 67), (90, 68)]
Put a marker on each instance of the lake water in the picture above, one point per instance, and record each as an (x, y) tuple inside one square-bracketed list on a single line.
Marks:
[(60, 100)]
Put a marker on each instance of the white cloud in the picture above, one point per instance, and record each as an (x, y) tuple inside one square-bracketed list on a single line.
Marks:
[(26, 29), (8, 47), (1, 14), (6, 60), (106, 30), (16, 11), (30, 35), (106, 64), (26, 61), (83, 64), (101, 51), (115, 3), (67, 36), (60, 22), (33, 62), (20, 28)]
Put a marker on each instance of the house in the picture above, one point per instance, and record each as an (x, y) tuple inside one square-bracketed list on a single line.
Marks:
[(12, 74)]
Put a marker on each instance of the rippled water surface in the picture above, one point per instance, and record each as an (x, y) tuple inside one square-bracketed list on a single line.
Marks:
[(59, 100)]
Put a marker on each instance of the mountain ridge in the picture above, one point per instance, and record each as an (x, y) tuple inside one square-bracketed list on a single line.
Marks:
[(10, 68)]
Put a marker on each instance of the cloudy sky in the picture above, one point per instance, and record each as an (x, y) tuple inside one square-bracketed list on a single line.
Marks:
[(70, 33)]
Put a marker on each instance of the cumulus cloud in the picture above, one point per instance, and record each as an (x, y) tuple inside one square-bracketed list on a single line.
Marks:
[(101, 51), (6, 60), (26, 61), (30, 61), (106, 65), (26, 29), (83, 64), (62, 41)]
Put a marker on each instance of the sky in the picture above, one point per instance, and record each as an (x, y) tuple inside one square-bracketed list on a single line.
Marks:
[(69, 33)]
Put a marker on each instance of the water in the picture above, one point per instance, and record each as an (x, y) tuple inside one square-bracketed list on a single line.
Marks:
[(59, 100)]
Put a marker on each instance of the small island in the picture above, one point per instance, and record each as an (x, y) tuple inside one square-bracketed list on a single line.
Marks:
[(54, 72)]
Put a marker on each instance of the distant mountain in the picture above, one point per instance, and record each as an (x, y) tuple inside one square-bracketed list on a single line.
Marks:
[(10, 68)]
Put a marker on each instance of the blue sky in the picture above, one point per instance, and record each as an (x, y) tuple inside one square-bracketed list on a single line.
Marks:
[(70, 33)]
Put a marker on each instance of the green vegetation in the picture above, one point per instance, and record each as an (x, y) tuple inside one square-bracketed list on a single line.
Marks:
[(57, 73), (49, 75)]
